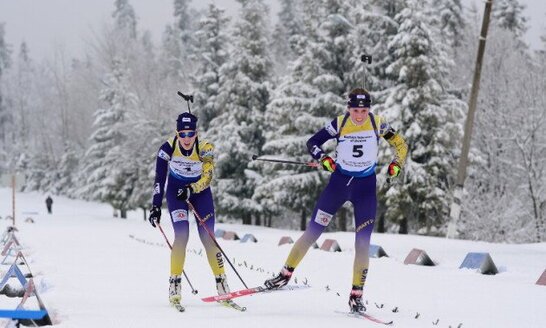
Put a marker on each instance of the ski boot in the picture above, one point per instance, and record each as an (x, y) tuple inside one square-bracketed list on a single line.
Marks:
[(281, 279), (355, 300), (221, 284), (175, 283), (223, 288)]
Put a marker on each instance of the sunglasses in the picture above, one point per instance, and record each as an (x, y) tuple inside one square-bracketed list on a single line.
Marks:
[(186, 134)]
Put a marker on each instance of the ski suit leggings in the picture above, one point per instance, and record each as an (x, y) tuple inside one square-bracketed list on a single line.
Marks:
[(359, 191), (204, 205)]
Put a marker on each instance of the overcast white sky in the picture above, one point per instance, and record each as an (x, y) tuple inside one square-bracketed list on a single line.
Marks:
[(44, 24)]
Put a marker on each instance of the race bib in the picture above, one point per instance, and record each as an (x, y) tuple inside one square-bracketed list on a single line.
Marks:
[(185, 167), (357, 152)]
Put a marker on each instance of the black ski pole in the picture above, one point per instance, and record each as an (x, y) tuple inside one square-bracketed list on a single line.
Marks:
[(255, 158), (214, 240), (193, 290)]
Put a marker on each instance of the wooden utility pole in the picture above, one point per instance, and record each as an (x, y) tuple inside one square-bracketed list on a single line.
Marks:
[(455, 211)]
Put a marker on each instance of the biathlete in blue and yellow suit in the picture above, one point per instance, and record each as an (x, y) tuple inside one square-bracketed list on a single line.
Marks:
[(187, 164), (353, 179)]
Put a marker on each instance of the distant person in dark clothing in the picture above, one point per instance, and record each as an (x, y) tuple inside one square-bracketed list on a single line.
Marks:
[(49, 203)]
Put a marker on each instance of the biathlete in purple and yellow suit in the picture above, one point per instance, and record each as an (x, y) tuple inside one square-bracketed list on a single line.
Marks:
[(187, 165), (353, 179)]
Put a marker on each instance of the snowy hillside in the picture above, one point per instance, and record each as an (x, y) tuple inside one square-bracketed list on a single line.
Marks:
[(97, 271)]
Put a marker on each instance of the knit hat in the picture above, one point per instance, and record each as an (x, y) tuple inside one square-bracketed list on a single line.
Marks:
[(186, 121)]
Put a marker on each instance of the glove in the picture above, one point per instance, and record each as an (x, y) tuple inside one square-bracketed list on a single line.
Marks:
[(394, 169), (328, 163), (155, 215), (184, 193)]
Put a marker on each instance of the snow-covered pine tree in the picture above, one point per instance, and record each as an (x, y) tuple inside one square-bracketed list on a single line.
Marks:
[(37, 170), (289, 24), (184, 27), (451, 20), (183, 21), (125, 18), (211, 53), (149, 132), (144, 165), (542, 50), (21, 96), (84, 86), (4, 50), (171, 54), (5, 59), (509, 15), (373, 29), (238, 132), (390, 7), (543, 38), (155, 91), (337, 58), (105, 169), (178, 45), (289, 188), (428, 117), (65, 173), (149, 129), (464, 54), (20, 110)]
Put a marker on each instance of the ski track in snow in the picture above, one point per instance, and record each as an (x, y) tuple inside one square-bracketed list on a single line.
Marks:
[(93, 270)]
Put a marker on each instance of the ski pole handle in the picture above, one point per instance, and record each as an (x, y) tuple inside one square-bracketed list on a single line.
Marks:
[(255, 158)]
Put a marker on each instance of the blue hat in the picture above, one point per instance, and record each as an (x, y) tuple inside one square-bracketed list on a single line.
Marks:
[(186, 121), (359, 100)]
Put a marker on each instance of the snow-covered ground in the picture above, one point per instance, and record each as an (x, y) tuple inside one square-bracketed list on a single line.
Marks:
[(97, 271)]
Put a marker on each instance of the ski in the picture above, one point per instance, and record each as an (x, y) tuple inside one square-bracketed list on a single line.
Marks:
[(364, 315), (232, 305), (250, 291)]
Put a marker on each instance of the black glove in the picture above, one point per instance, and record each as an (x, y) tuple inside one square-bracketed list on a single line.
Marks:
[(155, 215), (184, 193)]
